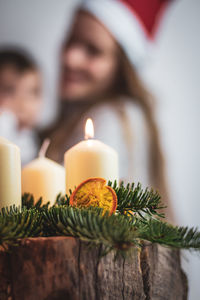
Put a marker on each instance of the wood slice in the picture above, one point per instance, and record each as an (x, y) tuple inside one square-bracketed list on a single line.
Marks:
[(59, 268)]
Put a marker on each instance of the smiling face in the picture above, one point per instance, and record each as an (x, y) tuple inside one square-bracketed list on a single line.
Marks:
[(89, 62)]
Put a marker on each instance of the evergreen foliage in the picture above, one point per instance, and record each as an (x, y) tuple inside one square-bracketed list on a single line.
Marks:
[(137, 219), (16, 224), (135, 199)]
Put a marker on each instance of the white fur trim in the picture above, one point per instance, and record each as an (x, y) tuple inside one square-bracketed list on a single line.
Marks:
[(122, 24)]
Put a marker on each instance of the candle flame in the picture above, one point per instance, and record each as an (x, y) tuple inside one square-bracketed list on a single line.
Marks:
[(89, 129)]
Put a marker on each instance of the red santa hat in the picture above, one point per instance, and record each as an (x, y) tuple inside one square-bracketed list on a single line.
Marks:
[(133, 23)]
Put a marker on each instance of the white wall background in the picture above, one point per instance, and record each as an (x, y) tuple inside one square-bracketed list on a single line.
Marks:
[(174, 77)]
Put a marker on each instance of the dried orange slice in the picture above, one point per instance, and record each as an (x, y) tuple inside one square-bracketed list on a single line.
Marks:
[(94, 192)]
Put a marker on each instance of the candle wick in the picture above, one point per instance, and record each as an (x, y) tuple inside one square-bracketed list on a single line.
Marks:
[(44, 147), (88, 136)]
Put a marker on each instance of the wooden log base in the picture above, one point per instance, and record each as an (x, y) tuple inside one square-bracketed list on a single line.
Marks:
[(59, 268)]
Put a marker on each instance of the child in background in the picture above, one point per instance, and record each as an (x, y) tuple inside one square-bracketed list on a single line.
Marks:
[(20, 101)]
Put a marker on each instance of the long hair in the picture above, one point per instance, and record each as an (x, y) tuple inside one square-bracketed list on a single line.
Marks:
[(133, 87), (130, 85)]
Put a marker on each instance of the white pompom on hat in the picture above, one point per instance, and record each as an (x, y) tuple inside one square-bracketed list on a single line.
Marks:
[(133, 23)]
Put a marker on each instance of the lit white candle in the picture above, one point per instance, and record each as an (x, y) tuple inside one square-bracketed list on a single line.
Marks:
[(90, 158), (43, 178), (10, 174)]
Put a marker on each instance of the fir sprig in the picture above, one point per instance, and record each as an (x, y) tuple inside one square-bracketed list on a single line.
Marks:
[(16, 224), (116, 232), (132, 198), (28, 202), (91, 225), (119, 231), (157, 231), (62, 200)]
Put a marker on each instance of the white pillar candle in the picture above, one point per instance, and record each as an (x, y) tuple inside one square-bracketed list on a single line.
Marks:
[(43, 178), (90, 158), (10, 174)]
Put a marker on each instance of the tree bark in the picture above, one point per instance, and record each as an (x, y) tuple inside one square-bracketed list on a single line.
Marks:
[(65, 268)]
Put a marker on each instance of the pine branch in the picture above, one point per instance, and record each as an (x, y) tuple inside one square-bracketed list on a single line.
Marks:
[(134, 198), (114, 232), (117, 232), (157, 231), (16, 224), (62, 200), (28, 202), (131, 198)]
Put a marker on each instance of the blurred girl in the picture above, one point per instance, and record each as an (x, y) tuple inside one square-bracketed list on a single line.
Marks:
[(20, 100), (108, 43)]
